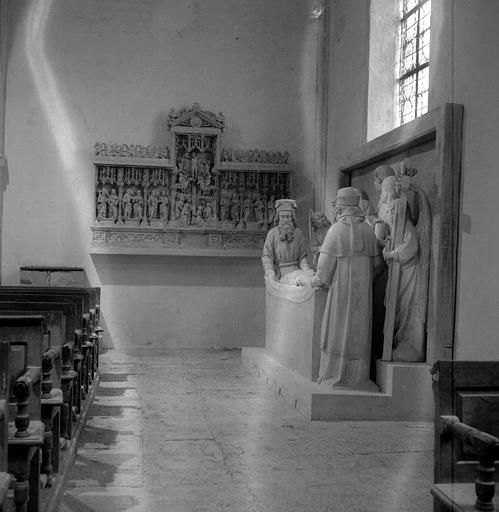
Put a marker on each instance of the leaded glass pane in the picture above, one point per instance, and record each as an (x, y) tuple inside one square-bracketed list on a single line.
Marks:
[(414, 58), (408, 98), (408, 5), (422, 92)]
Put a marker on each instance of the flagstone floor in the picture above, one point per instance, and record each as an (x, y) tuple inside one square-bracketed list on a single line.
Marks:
[(194, 431)]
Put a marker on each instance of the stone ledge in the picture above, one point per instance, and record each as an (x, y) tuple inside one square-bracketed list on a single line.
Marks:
[(176, 241)]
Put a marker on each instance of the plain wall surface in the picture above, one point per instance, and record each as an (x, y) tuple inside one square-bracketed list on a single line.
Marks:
[(110, 71)]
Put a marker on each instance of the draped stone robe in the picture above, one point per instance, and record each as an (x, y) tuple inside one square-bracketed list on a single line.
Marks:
[(347, 259)]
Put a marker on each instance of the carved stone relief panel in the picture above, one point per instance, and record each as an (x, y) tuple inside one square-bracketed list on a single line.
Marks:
[(410, 181), (192, 185)]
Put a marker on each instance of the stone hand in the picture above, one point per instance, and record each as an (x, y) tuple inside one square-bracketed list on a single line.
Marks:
[(270, 274), (388, 255), (316, 282)]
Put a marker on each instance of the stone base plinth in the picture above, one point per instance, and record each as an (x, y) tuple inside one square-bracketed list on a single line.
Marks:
[(405, 391), (293, 318)]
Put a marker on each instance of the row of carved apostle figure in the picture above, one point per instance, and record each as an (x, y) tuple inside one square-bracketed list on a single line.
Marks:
[(351, 254), (132, 204)]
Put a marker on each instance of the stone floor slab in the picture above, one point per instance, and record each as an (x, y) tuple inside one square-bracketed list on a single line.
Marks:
[(193, 430)]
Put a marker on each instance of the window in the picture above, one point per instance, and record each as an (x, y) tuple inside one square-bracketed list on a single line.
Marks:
[(413, 78)]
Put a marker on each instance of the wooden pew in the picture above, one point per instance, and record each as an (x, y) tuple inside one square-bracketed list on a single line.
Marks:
[(25, 335), (62, 374), (466, 435), (81, 345), (90, 298), (5, 477), (51, 387)]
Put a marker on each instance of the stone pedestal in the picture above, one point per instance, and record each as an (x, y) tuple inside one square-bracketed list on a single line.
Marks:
[(405, 392), (293, 321), (290, 363)]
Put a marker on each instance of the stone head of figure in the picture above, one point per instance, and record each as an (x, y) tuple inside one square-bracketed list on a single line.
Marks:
[(346, 199), (380, 173), (389, 189), (286, 218), (285, 209), (318, 220)]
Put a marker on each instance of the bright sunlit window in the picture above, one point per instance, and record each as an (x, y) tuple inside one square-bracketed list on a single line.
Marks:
[(414, 60)]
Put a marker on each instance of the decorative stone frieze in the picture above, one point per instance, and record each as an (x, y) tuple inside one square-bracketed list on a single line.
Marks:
[(191, 194)]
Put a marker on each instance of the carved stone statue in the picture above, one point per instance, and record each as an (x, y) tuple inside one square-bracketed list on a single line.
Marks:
[(183, 175), (285, 248), (152, 204), (258, 206), (224, 205), (127, 203), (164, 206), (271, 213), (185, 215), (102, 204), (138, 205), (197, 215), (179, 203), (235, 210), (367, 209), (247, 209), (208, 212), (319, 225), (347, 261), (113, 202), (406, 250)]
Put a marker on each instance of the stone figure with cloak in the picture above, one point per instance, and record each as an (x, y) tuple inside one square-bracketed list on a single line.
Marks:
[(405, 235), (318, 225), (285, 248), (349, 257)]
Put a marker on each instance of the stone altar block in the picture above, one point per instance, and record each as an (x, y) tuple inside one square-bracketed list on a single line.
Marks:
[(293, 326)]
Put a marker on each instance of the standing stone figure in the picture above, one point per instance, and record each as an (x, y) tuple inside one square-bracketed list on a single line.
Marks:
[(285, 248), (319, 225), (152, 205), (259, 205), (164, 205), (235, 210), (208, 212), (185, 214), (347, 261), (127, 203), (138, 205), (406, 250), (271, 210), (113, 202), (102, 204)]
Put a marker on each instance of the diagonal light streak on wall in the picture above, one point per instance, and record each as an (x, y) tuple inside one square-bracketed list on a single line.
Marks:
[(56, 113)]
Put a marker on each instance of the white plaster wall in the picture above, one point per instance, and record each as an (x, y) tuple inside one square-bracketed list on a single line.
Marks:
[(474, 84), (349, 83), (107, 70)]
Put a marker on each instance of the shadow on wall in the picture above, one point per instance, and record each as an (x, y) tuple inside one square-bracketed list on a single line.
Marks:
[(186, 271)]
